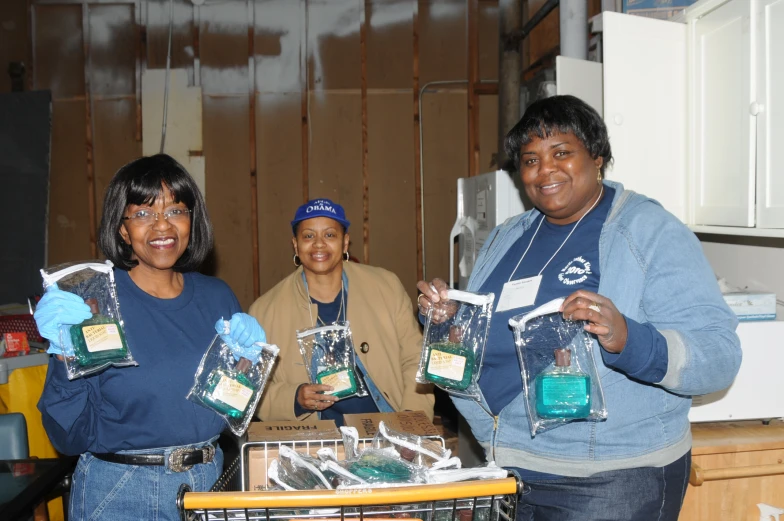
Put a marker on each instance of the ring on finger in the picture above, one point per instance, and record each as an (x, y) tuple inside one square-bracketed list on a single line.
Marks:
[(419, 303)]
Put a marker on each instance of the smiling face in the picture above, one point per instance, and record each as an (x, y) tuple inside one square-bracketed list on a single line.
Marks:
[(158, 244), (320, 243), (560, 176)]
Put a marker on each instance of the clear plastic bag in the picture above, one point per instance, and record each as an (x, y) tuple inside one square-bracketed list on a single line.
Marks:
[(350, 437), (328, 352), (289, 478), (230, 385), (338, 476), (98, 342), (412, 448), (488, 471), (454, 343), (560, 379), (306, 467), (384, 466)]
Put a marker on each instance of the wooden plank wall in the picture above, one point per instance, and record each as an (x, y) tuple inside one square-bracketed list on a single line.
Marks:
[(331, 85)]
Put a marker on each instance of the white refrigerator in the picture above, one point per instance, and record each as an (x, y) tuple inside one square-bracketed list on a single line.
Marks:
[(483, 202)]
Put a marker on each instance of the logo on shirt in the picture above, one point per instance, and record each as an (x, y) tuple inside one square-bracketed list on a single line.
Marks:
[(576, 271)]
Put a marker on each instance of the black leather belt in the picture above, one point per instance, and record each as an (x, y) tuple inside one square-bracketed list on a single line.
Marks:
[(179, 460)]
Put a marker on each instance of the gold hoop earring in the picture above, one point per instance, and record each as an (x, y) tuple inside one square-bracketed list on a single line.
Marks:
[(296, 260), (345, 256), (599, 175)]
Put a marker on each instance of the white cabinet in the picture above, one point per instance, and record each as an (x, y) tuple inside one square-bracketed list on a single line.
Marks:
[(723, 141), (769, 44), (695, 111), (644, 65)]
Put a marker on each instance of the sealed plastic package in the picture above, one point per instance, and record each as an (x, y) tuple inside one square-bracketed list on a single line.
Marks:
[(328, 352), (377, 466), (414, 449), (295, 471), (560, 379), (230, 384), (454, 342), (98, 342)]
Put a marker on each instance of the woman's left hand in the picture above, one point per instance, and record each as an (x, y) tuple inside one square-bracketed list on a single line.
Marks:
[(604, 319)]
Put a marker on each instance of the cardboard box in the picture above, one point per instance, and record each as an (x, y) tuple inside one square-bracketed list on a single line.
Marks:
[(293, 430), (16, 344), (412, 422), (265, 439)]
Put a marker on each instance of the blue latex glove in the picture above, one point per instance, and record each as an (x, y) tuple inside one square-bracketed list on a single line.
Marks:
[(59, 308), (242, 334)]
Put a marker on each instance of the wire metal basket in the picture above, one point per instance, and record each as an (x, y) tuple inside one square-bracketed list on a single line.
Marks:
[(478, 500), (269, 448)]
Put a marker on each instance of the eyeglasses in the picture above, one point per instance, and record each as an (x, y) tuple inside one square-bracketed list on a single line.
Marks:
[(173, 215)]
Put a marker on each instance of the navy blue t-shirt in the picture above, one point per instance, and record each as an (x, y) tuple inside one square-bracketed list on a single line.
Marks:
[(133, 408), (328, 313), (576, 266)]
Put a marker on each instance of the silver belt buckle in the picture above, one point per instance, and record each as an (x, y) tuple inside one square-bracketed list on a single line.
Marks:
[(208, 453), (177, 455), (175, 460)]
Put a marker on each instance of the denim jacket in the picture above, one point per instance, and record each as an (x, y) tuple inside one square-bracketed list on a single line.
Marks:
[(653, 269)]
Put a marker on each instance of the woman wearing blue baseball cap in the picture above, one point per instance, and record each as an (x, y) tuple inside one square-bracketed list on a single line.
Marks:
[(326, 288)]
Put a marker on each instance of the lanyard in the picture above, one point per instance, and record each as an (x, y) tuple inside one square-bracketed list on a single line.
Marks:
[(601, 192), (343, 284)]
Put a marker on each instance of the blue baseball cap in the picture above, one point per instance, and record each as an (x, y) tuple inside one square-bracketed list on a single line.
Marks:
[(320, 208)]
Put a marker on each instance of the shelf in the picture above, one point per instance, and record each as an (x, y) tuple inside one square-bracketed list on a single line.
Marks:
[(737, 230), (724, 437)]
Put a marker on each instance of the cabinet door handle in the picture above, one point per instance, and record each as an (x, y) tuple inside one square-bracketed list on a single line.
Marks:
[(699, 475), (755, 108)]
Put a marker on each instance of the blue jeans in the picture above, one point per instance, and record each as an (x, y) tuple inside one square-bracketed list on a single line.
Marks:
[(119, 492), (642, 494)]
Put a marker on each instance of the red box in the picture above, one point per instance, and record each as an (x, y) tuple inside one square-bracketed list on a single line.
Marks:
[(16, 344)]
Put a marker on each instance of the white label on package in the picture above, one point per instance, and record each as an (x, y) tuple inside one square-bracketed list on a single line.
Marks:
[(446, 365), (102, 337), (231, 392), (339, 381)]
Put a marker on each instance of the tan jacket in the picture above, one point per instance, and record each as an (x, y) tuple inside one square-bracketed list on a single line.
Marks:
[(380, 315)]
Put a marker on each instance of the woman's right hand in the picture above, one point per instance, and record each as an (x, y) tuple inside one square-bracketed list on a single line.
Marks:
[(435, 294), (312, 397), (59, 308)]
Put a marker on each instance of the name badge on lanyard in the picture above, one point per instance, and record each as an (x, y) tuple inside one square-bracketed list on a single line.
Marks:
[(519, 293)]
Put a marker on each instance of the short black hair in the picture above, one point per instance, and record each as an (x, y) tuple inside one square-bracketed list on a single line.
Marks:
[(560, 115), (140, 182)]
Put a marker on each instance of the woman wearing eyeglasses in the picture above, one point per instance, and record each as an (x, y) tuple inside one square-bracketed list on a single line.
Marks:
[(126, 422)]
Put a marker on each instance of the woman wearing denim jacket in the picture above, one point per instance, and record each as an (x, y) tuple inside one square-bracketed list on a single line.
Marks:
[(639, 279)]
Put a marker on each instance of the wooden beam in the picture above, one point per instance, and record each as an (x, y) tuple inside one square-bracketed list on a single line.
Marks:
[(89, 140), (304, 89), (509, 64), (364, 97), (486, 89), (141, 47), (254, 195), (472, 13), (417, 148), (30, 73)]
